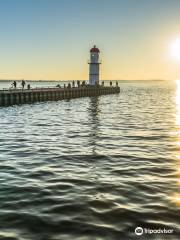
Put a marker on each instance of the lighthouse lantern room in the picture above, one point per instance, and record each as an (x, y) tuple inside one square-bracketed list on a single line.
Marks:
[(94, 66)]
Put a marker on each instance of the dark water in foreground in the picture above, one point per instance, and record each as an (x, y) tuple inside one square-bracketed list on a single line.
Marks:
[(92, 168)]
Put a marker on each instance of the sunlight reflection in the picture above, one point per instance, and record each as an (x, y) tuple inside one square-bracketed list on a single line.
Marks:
[(177, 129), (176, 199), (178, 102)]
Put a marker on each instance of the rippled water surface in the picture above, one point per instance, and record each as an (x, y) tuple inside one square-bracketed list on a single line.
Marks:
[(92, 168)]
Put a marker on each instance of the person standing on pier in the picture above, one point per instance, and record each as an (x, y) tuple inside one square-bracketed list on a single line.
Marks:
[(14, 84), (78, 83), (23, 84)]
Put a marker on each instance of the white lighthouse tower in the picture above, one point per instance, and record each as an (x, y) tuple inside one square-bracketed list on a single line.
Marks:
[(94, 66)]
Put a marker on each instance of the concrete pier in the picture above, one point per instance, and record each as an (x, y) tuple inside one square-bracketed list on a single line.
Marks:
[(11, 97)]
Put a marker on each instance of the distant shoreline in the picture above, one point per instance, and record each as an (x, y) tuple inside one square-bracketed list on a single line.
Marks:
[(10, 80)]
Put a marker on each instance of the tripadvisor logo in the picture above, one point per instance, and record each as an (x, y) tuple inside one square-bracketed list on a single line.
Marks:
[(139, 231)]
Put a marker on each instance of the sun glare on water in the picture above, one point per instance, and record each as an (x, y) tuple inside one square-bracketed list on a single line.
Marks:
[(175, 49), (177, 99), (175, 198)]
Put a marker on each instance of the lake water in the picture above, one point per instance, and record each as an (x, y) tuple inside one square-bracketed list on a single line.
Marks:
[(92, 168)]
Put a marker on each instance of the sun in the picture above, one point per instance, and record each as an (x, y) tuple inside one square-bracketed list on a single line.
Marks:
[(175, 49)]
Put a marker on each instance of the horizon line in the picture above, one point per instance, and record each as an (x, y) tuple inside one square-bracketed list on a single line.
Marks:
[(57, 80)]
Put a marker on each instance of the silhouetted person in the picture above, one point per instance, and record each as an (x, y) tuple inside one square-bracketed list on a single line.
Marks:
[(28, 86), (14, 84), (116, 83), (83, 84), (23, 84), (73, 83), (69, 85), (110, 83), (102, 83), (78, 83)]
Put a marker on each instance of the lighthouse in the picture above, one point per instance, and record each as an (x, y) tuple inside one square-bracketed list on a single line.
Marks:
[(94, 66)]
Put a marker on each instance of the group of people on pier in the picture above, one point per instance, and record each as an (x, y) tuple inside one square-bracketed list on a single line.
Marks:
[(69, 85), (83, 84), (23, 83)]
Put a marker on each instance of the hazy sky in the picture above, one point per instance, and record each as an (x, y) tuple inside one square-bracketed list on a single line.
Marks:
[(50, 39)]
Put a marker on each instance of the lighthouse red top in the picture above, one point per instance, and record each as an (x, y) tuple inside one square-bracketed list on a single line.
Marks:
[(94, 49)]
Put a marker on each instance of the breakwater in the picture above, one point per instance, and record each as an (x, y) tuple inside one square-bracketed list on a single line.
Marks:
[(11, 97)]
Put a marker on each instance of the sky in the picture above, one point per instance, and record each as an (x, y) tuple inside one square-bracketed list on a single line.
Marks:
[(50, 39)]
